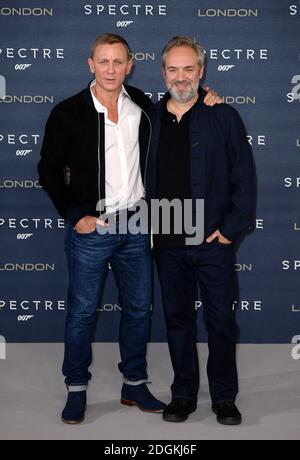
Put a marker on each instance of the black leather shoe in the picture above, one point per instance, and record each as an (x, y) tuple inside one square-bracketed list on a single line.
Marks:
[(227, 413), (179, 410)]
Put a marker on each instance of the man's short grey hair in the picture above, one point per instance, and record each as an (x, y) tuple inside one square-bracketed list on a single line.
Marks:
[(190, 42)]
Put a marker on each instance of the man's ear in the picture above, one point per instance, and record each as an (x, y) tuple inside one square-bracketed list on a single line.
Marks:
[(129, 66), (91, 65)]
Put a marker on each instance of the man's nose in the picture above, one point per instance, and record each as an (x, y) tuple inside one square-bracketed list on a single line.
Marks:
[(111, 67), (180, 75)]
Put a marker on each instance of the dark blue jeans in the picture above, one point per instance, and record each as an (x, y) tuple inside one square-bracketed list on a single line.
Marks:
[(179, 270), (88, 256)]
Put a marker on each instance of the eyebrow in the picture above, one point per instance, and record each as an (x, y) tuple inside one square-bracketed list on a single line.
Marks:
[(107, 59), (186, 67)]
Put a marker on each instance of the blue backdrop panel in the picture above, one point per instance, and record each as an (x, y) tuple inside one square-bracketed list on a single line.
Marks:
[(253, 57)]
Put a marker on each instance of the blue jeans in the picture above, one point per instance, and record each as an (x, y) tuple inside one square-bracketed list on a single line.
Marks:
[(179, 269), (88, 256)]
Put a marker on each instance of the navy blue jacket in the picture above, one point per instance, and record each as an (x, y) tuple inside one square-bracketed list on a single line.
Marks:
[(221, 165)]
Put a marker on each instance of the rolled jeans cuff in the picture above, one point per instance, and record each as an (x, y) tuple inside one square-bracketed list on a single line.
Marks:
[(135, 382), (76, 388)]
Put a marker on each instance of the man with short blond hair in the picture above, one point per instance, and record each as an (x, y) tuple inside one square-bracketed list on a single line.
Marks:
[(102, 136)]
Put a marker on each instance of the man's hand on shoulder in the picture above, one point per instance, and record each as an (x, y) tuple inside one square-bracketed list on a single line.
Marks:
[(212, 97)]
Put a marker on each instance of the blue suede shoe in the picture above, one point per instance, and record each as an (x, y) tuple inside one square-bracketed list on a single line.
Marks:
[(75, 407), (140, 396)]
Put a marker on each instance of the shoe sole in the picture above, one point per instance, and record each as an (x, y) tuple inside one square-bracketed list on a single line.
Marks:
[(72, 422), (126, 402), (229, 421), (175, 419)]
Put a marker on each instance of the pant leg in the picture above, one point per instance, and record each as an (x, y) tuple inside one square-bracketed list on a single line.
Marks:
[(87, 257), (177, 281), (216, 276), (132, 267)]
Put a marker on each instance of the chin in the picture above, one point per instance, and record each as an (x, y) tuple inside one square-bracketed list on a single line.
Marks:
[(111, 87)]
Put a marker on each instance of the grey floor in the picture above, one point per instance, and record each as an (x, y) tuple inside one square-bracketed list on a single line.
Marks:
[(32, 395)]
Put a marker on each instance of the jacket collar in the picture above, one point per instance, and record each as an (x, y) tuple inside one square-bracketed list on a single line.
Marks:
[(87, 95), (89, 99), (128, 91)]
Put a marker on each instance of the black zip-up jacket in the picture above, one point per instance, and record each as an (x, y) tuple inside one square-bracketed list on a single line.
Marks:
[(75, 139)]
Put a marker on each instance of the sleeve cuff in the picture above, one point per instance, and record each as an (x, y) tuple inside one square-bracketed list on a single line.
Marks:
[(74, 215)]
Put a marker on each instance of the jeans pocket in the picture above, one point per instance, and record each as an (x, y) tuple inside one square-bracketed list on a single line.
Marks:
[(85, 235), (224, 245)]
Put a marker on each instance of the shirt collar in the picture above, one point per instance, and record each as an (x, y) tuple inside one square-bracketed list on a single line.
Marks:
[(101, 108)]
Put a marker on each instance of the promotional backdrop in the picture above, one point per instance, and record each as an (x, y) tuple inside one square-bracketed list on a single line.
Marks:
[(253, 60)]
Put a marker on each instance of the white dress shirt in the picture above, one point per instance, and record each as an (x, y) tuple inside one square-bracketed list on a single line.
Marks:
[(123, 180)]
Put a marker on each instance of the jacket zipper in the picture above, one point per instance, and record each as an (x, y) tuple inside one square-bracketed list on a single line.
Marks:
[(148, 149), (99, 177)]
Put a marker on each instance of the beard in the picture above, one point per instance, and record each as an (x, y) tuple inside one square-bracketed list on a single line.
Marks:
[(183, 96)]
